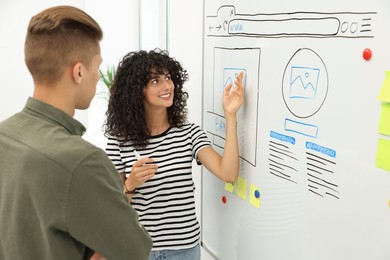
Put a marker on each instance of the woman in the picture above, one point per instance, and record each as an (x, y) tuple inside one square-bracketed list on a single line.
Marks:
[(152, 146)]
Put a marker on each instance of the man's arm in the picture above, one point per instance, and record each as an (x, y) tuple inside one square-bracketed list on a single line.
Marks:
[(98, 213)]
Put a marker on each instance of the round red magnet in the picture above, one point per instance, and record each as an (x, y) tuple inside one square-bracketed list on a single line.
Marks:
[(367, 54)]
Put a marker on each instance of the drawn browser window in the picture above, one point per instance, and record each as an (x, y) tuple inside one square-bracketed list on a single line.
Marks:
[(304, 82)]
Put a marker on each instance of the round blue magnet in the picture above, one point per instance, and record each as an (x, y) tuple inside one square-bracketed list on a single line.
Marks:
[(257, 194)]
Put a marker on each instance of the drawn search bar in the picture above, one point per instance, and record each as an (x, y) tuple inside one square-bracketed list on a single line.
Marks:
[(283, 27)]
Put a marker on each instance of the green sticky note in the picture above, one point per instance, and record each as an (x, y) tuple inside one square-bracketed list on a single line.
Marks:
[(384, 93), (383, 154), (254, 196), (384, 122), (241, 187), (229, 186)]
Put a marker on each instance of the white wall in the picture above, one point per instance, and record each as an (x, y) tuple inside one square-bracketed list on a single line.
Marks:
[(119, 21), (16, 82)]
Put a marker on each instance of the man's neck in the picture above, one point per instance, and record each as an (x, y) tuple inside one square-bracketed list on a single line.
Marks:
[(54, 96)]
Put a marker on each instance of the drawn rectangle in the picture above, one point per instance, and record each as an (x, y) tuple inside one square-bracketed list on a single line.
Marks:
[(227, 63), (300, 128), (303, 26)]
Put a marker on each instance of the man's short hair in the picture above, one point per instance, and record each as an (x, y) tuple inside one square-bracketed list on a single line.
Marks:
[(59, 37)]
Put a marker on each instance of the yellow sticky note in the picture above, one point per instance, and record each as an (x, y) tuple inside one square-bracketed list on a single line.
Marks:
[(383, 154), (241, 187), (229, 186), (384, 123), (384, 93), (254, 196)]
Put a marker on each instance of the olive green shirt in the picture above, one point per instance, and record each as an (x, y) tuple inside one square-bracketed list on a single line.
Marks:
[(60, 196)]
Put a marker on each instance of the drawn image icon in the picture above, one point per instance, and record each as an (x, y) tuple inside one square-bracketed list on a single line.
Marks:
[(305, 83), (230, 74)]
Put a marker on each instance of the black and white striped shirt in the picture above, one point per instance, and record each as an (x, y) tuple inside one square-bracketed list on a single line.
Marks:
[(165, 203)]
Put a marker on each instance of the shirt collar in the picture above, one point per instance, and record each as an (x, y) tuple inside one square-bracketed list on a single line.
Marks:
[(44, 110)]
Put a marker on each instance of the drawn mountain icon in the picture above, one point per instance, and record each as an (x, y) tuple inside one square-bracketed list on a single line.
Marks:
[(230, 74), (228, 81), (304, 81)]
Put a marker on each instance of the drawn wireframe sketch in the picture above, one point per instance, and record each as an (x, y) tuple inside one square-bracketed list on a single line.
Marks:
[(322, 179), (305, 83), (228, 62), (229, 23), (283, 160)]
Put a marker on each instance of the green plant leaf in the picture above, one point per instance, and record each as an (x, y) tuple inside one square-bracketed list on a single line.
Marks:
[(108, 76)]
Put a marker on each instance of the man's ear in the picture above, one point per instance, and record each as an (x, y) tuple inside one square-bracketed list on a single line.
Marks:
[(77, 72)]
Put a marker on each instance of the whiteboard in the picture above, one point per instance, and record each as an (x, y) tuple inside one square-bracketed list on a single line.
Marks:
[(309, 185)]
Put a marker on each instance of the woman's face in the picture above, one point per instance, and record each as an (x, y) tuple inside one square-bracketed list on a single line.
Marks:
[(159, 91)]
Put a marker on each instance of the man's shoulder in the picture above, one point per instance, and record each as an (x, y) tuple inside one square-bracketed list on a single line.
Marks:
[(9, 121), (72, 149), (53, 142)]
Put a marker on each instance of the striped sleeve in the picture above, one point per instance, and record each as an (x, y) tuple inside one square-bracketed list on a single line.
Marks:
[(114, 154), (199, 140)]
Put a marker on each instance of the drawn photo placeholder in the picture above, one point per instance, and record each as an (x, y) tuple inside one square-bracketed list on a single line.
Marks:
[(228, 62), (305, 83)]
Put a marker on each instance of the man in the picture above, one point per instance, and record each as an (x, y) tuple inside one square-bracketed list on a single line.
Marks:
[(60, 196)]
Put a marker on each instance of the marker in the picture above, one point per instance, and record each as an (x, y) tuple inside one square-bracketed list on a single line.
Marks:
[(137, 155)]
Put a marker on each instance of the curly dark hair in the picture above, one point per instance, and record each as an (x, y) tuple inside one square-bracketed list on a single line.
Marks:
[(125, 116)]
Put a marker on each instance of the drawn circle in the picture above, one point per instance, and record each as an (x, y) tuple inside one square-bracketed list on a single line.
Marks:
[(344, 27), (305, 83), (354, 27)]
